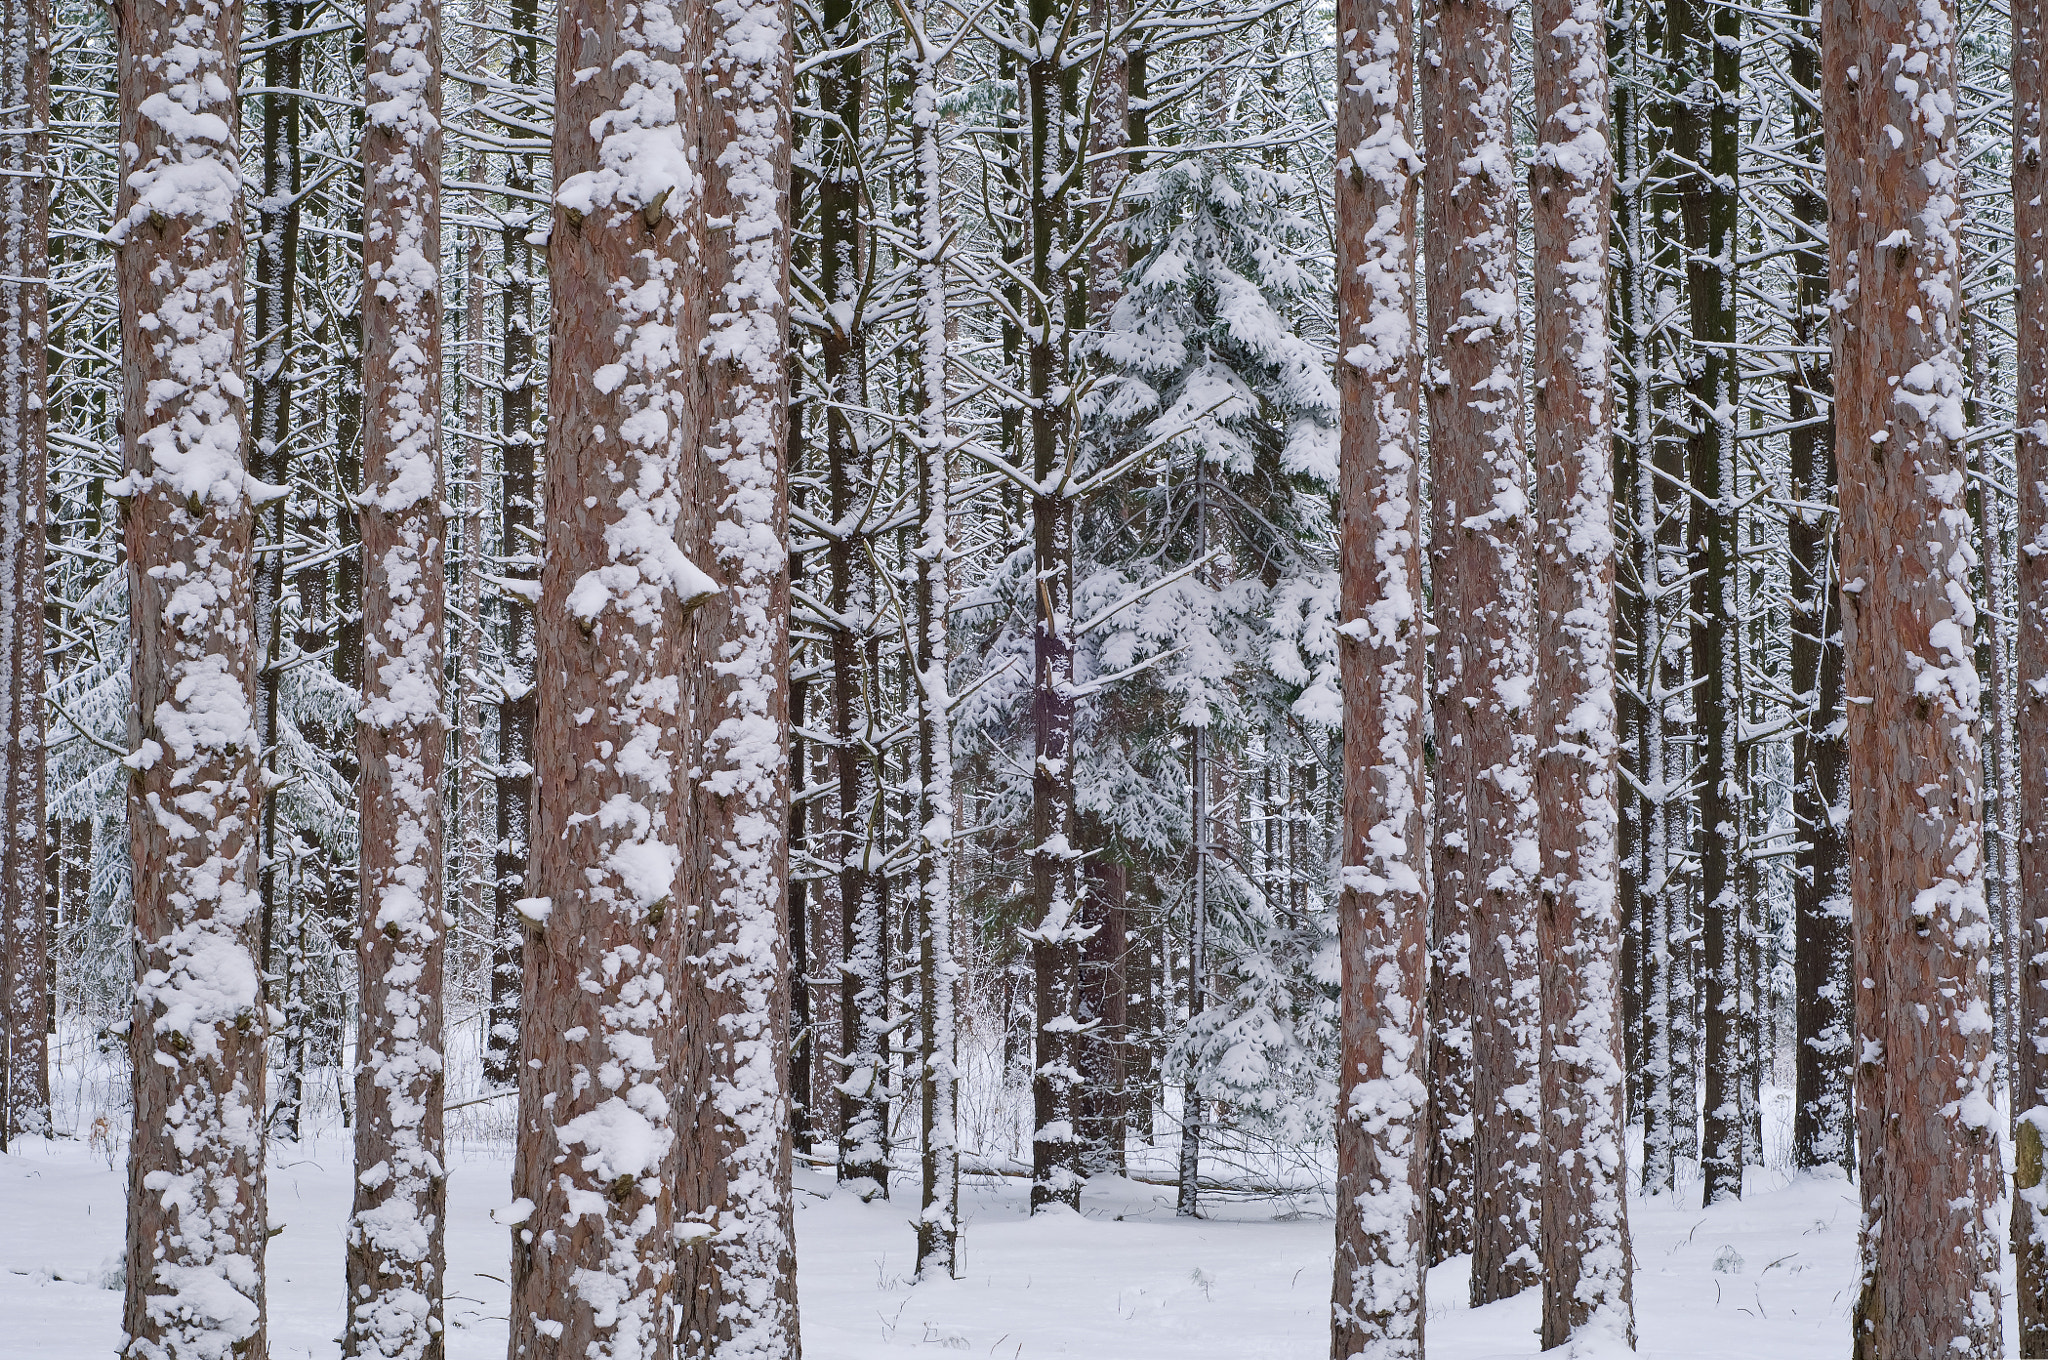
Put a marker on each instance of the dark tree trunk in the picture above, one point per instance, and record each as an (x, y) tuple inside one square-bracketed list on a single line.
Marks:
[(1821, 1118), (1055, 935), (1703, 42), (25, 880), (270, 407), (519, 561)]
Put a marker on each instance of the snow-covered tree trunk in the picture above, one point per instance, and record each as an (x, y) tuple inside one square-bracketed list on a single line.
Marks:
[(519, 560), (396, 1242), (1104, 1050), (1636, 306), (1821, 1117), (1056, 932), (938, 1224), (1666, 150), (2030, 717), (2030, 919), (2030, 453), (274, 317), (741, 803), (593, 1256), (474, 689), (197, 1223), (1927, 1127), (1586, 1264), (1193, 1111), (1708, 54), (1382, 1106), (24, 494), (1487, 1170), (855, 603), (1450, 85)]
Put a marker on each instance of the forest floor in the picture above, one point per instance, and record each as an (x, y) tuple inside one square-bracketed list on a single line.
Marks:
[(1769, 1277)]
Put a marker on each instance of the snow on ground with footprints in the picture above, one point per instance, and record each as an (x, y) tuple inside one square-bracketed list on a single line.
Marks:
[(1770, 1277)]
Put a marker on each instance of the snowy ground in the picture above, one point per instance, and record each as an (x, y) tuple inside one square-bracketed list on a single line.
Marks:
[(1769, 1277)]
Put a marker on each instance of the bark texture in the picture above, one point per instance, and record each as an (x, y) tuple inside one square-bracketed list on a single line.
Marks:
[(593, 1256), (740, 811), (1587, 1292), (1382, 1109), (1821, 1117), (1926, 1124), (519, 559), (24, 492), (196, 1225), (2030, 914), (397, 1235), (938, 1222), (1057, 931), (1704, 42), (1485, 1173)]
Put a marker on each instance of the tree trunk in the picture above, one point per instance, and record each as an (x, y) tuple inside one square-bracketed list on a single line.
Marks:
[(24, 494), (1056, 934), (1709, 70), (519, 560), (2030, 908), (2030, 452), (938, 977), (1188, 1195), (277, 255), (740, 810), (1586, 1263), (396, 1247), (1821, 1117), (855, 605), (197, 1222), (1927, 1141), (1485, 1171), (1382, 1111), (598, 1041)]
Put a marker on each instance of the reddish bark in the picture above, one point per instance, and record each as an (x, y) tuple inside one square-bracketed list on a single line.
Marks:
[(2030, 917), (396, 1256), (1587, 1272), (1926, 1127), (598, 1081), (197, 1222), (1484, 1173), (1383, 911), (740, 1281)]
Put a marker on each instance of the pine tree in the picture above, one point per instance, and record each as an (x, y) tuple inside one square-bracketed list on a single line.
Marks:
[(25, 986), (197, 1224), (1823, 1067), (1485, 1170), (2030, 452), (1587, 1286), (598, 1089), (397, 1252), (1382, 1132), (938, 1223), (741, 871), (1927, 1141)]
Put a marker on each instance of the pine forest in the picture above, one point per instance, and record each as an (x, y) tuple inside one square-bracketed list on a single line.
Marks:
[(705, 679)]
